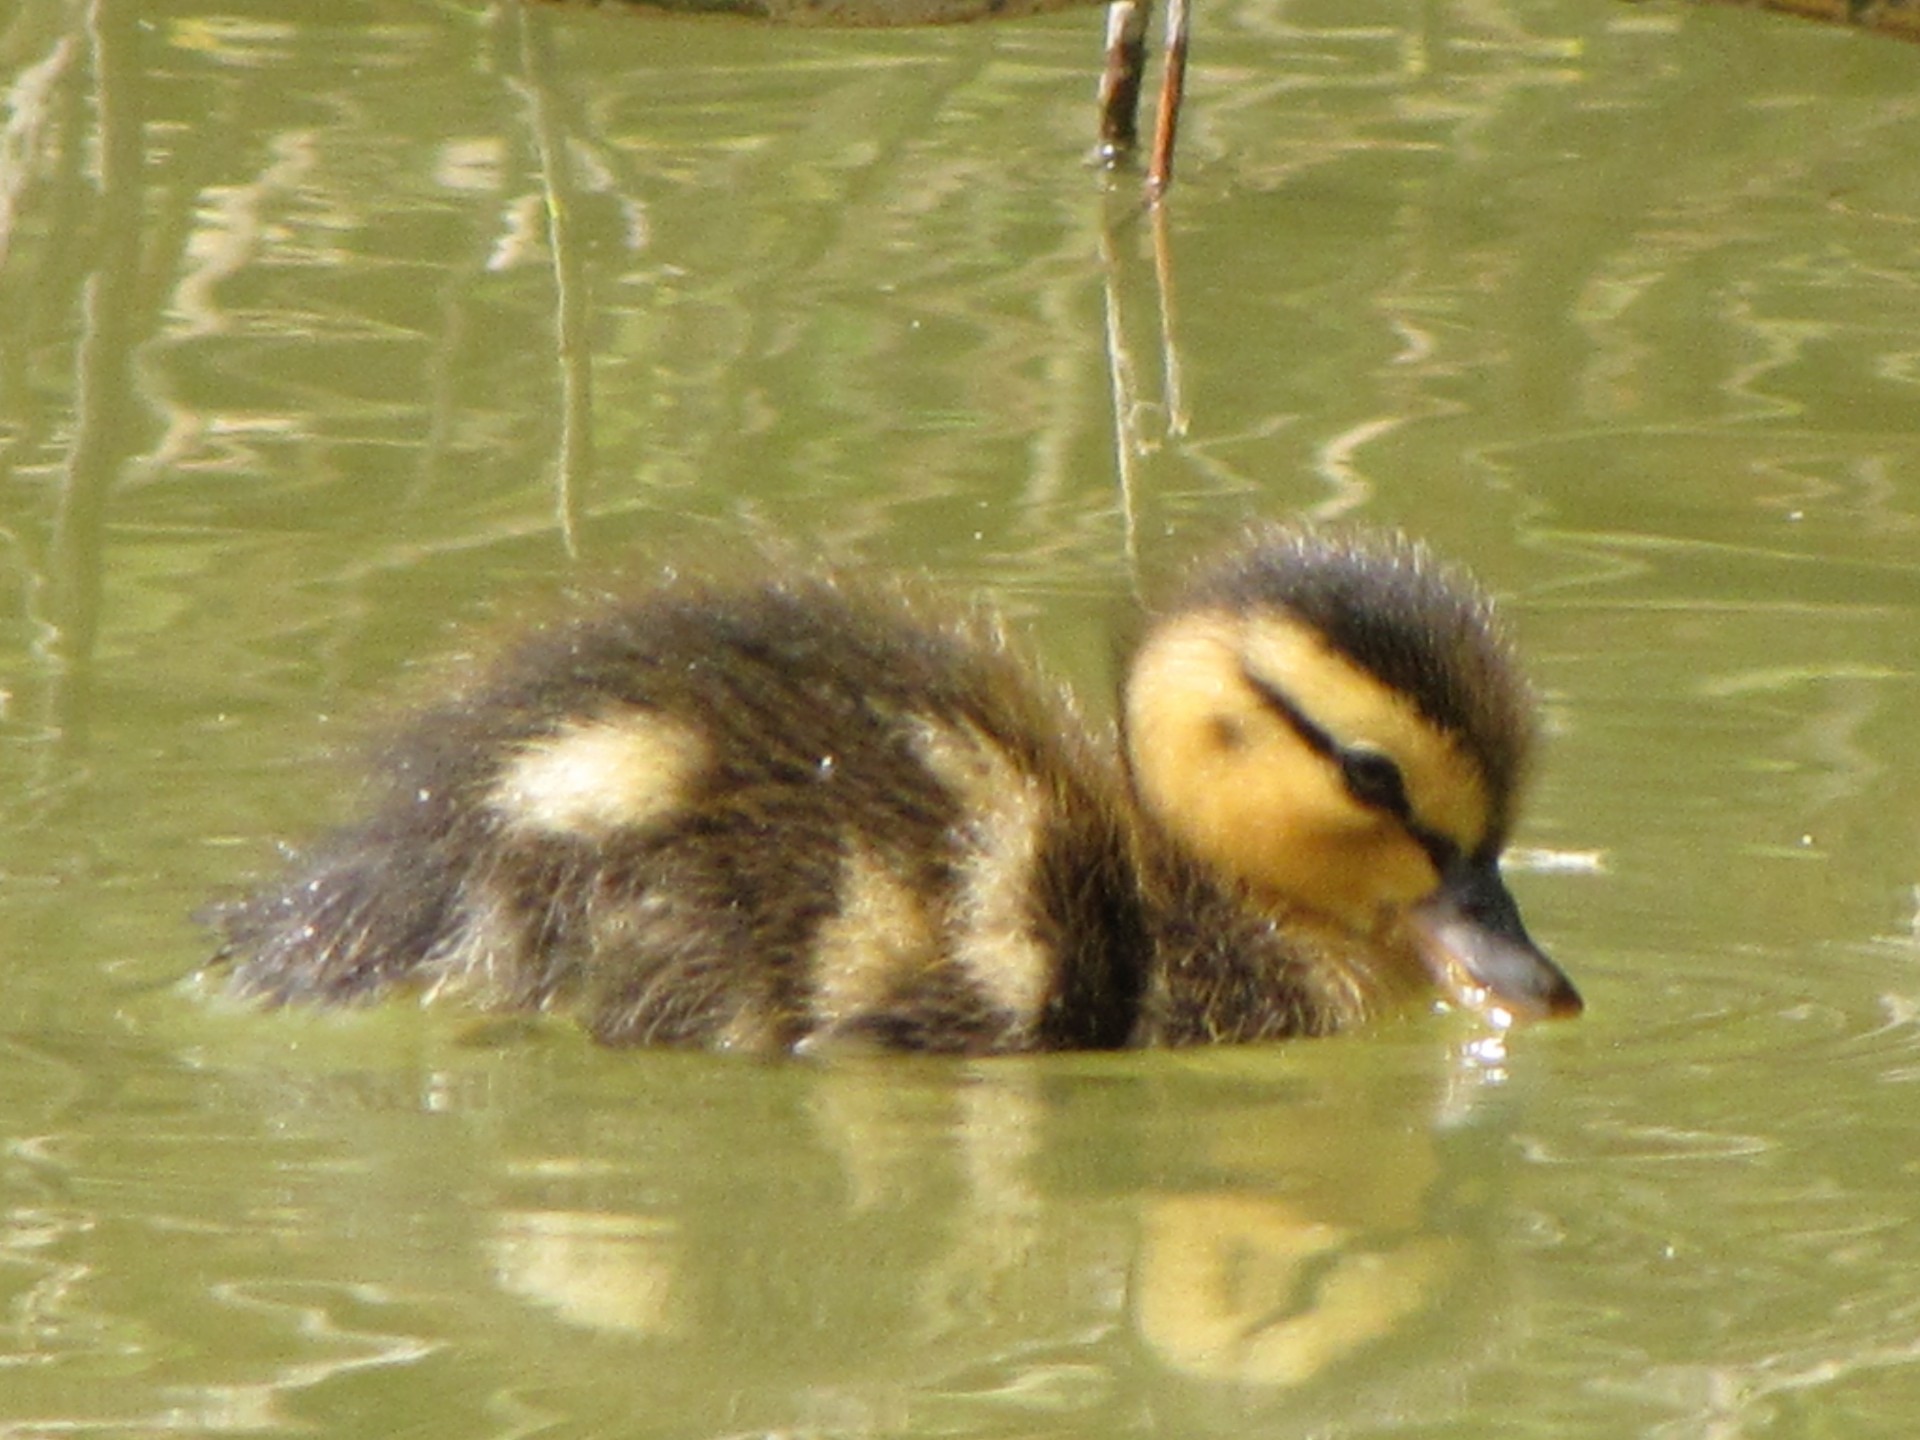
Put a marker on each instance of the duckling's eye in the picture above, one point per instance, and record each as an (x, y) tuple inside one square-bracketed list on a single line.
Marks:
[(1373, 779)]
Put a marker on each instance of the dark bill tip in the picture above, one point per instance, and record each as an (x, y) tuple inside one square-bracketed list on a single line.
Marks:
[(1480, 954)]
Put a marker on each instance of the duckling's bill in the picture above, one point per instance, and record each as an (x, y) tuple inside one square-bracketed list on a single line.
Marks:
[(1479, 953)]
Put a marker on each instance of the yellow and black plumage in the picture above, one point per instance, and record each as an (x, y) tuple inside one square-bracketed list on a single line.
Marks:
[(797, 812)]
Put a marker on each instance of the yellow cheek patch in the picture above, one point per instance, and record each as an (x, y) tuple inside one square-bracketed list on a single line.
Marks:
[(1445, 786), (1246, 792), (591, 778)]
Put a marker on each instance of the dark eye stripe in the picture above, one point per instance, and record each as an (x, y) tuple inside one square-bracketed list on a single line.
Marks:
[(1441, 852), (1370, 777), (1373, 779), (1282, 705)]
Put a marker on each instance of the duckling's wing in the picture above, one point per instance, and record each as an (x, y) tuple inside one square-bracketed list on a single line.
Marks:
[(753, 817)]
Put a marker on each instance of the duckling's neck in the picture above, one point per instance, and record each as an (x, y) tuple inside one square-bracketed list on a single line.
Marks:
[(1229, 966), (1366, 974)]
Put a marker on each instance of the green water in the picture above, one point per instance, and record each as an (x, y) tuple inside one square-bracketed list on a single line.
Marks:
[(303, 398)]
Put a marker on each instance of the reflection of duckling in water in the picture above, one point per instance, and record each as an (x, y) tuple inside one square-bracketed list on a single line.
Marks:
[(1328, 1223), (768, 816)]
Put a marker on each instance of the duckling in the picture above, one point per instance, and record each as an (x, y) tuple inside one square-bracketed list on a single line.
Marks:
[(794, 813)]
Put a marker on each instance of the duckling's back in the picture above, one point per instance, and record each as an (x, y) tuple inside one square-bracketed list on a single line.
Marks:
[(752, 818)]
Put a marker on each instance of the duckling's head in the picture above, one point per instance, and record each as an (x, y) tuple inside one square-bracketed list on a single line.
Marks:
[(1336, 723)]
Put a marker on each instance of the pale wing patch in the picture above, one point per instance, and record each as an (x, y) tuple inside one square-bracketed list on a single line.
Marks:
[(1004, 812), (591, 778), (879, 934)]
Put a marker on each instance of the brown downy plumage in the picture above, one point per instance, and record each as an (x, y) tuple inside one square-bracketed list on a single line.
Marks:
[(780, 815)]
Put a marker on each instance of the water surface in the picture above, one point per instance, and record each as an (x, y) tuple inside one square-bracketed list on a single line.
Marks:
[(339, 338)]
